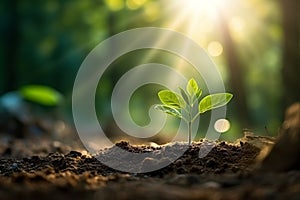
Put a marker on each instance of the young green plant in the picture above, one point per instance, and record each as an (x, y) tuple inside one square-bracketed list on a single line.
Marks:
[(176, 104)]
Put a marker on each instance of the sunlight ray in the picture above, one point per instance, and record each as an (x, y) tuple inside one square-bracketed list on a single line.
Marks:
[(164, 38)]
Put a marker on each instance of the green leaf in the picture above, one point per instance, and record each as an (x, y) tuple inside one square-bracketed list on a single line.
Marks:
[(184, 95), (214, 101), (169, 110), (41, 94), (181, 100), (170, 98), (192, 87), (199, 93)]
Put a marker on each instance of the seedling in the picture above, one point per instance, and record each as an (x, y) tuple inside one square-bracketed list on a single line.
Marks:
[(183, 105)]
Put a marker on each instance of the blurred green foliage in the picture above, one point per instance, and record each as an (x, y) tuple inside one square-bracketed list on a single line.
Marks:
[(41, 94), (52, 38)]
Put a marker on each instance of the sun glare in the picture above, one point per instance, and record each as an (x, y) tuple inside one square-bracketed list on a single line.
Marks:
[(208, 6), (201, 3), (198, 14)]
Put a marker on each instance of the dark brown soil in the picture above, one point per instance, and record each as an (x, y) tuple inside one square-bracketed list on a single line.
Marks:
[(31, 169)]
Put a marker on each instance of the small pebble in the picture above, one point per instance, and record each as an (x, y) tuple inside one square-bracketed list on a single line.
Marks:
[(74, 154), (14, 166), (211, 184)]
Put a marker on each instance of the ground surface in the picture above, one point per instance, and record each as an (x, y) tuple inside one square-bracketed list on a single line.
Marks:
[(46, 169)]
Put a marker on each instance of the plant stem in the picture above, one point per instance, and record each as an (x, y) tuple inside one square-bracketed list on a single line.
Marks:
[(195, 117), (190, 123), (190, 131)]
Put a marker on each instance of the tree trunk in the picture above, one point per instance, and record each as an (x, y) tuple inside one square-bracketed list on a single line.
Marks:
[(291, 51), (11, 45), (235, 73)]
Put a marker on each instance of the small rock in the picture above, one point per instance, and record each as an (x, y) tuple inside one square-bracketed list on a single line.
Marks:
[(149, 164), (185, 180), (181, 170), (178, 163), (74, 154), (14, 166), (211, 163), (196, 169), (211, 184)]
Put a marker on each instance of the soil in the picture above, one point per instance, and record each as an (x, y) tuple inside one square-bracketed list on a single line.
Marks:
[(40, 168)]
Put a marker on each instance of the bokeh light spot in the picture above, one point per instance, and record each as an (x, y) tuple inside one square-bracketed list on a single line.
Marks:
[(237, 27), (114, 5), (152, 11), (215, 48), (135, 4), (222, 125)]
